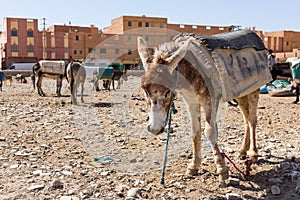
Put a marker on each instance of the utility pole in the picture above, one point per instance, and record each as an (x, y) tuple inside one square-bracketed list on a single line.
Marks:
[(44, 39)]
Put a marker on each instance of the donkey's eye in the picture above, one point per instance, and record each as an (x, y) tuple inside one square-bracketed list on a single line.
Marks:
[(167, 94), (146, 93)]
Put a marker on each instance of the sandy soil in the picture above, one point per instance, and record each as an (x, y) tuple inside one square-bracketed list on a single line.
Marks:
[(101, 150)]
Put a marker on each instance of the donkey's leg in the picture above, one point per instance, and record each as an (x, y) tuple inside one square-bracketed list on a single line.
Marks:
[(248, 105), (39, 85), (58, 86), (119, 83), (82, 90), (195, 115), (73, 91), (113, 83), (33, 80), (96, 83), (211, 133), (244, 106)]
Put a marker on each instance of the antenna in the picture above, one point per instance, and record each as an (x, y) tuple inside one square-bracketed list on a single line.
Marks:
[(44, 38)]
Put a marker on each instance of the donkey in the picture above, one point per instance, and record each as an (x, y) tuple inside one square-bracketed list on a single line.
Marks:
[(49, 69), (117, 75), (76, 75), (195, 66)]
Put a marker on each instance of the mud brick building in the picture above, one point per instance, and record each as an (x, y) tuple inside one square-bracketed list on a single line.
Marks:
[(22, 41)]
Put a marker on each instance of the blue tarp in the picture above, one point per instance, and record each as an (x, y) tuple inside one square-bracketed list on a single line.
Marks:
[(296, 71)]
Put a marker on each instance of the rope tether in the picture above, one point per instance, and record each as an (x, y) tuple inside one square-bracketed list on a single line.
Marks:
[(172, 110)]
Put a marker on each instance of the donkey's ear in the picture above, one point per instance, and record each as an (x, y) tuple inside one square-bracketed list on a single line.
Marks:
[(143, 52), (179, 54)]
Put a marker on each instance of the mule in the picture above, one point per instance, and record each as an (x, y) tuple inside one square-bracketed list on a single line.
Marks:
[(76, 75), (50, 69), (197, 67), (116, 75)]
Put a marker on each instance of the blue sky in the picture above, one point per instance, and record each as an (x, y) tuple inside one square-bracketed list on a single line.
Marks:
[(265, 15)]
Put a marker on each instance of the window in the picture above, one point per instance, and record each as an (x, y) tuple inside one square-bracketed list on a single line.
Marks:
[(129, 37), (90, 50), (103, 51), (140, 24), (80, 52), (116, 37), (287, 43), (77, 37), (30, 33), (14, 48), (52, 49), (146, 24), (75, 51), (30, 48), (152, 24), (66, 50), (152, 38), (129, 23), (129, 52), (162, 39), (14, 32), (117, 51), (161, 25)]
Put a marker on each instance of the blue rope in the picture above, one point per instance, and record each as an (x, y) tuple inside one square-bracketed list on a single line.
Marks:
[(172, 110), (162, 180)]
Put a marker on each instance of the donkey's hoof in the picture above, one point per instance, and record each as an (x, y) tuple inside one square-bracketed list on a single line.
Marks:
[(224, 176), (222, 183), (223, 173), (243, 156), (254, 159), (192, 171), (253, 156)]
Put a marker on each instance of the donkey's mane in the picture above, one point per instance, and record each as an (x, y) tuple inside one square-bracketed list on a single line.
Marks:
[(163, 51)]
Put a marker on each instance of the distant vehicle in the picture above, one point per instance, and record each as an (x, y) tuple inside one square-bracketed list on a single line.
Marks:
[(21, 66)]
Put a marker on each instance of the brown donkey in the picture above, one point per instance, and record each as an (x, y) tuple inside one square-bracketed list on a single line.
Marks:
[(203, 70)]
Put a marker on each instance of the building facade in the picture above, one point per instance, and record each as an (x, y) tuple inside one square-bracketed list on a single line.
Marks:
[(155, 30), (21, 41), (285, 44)]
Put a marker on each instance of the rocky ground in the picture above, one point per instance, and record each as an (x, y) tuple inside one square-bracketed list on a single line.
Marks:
[(100, 149)]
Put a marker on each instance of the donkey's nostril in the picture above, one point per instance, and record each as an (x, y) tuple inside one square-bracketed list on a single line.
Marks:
[(148, 128), (162, 130), (155, 102)]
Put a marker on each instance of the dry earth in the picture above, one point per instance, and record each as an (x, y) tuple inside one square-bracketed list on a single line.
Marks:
[(52, 150)]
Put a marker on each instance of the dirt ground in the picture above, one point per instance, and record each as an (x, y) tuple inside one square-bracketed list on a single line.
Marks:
[(101, 150)]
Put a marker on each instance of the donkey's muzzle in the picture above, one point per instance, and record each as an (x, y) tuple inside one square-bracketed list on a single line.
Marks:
[(154, 131)]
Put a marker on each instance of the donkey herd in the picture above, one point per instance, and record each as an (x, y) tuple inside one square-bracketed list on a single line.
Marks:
[(204, 70), (74, 72)]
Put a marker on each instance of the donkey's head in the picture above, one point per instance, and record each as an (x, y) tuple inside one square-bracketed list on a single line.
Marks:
[(159, 80)]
